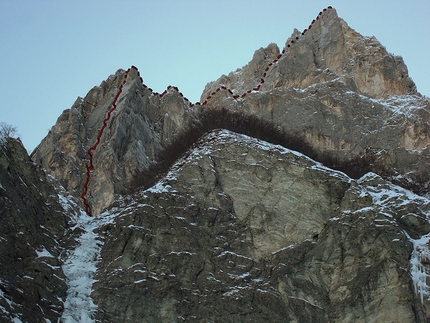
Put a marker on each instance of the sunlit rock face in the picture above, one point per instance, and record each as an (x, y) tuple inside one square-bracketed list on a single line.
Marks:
[(329, 50), (341, 91)]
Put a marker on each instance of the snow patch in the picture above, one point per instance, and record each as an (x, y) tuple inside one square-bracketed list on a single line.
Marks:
[(162, 186), (387, 193), (402, 104), (44, 253)]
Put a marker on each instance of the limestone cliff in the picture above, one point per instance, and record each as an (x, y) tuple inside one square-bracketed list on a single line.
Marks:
[(239, 228), (32, 283), (340, 91)]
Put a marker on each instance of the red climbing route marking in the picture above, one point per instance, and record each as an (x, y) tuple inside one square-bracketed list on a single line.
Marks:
[(235, 96), (89, 151)]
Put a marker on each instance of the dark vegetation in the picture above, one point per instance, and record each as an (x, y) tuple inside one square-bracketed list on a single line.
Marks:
[(7, 131), (211, 119)]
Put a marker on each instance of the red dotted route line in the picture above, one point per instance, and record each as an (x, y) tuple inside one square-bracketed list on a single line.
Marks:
[(221, 88), (89, 151)]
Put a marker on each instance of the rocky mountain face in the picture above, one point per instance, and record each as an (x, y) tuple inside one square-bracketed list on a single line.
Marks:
[(239, 229), (136, 132), (341, 91), (32, 225)]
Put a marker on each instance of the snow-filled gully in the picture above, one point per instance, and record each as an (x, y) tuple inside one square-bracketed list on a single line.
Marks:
[(80, 267)]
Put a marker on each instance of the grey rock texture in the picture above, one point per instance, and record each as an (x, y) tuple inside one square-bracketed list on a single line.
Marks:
[(341, 91), (239, 230), (243, 231), (32, 283), (135, 133)]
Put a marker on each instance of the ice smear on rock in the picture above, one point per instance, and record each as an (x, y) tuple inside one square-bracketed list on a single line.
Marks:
[(390, 195), (80, 267), (420, 273)]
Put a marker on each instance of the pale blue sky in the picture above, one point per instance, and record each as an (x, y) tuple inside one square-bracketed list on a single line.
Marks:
[(51, 52)]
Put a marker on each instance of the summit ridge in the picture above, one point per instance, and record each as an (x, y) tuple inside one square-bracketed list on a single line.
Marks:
[(316, 65)]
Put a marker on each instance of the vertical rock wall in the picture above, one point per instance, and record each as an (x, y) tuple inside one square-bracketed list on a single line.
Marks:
[(32, 283)]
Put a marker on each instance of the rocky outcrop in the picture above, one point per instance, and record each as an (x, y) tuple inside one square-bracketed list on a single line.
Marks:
[(241, 230), (32, 283), (238, 230), (341, 91), (328, 50), (137, 128)]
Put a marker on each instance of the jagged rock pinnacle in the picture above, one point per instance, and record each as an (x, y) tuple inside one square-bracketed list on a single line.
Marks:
[(298, 88), (326, 50)]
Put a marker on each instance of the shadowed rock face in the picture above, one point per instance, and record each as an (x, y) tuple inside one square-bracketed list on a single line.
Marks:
[(63, 152), (242, 231), (32, 283)]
